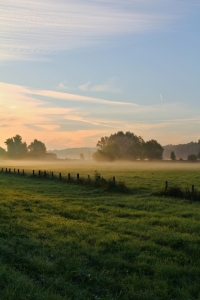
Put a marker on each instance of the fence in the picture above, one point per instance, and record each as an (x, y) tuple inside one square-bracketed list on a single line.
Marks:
[(97, 181)]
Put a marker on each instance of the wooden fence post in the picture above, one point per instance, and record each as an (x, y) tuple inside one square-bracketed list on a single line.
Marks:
[(6, 170), (33, 172), (52, 175), (60, 176), (89, 178), (39, 172), (18, 171), (9, 170), (14, 171), (2, 170), (192, 189), (166, 186), (68, 176), (23, 172), (77, 176)]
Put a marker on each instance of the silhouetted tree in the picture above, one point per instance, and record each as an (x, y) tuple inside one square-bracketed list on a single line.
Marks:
[(120, 146), (37, 149), (153, 150), (173, 156), (16, 148)]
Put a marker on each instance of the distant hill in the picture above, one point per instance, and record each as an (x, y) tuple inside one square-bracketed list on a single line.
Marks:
[(74, 153), (182, 150)]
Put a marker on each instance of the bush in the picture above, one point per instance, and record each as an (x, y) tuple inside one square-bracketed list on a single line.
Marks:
[(192, 157), (178, 192)]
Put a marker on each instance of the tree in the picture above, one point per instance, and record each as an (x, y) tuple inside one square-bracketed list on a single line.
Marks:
[(153, 150), (2, 152), (120, 146), (15, 147), (127, 146), (192, 157), (173, 156), (37, 149)]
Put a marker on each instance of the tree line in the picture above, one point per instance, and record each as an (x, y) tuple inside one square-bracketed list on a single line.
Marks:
[(182, 151), (191, 157), (127, 146), (17, 149), (118, 146)]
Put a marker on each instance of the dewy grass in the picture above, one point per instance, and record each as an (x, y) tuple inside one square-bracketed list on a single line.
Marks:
[(62, 241)]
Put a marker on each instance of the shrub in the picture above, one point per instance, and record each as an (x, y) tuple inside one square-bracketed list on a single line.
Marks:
[(192, 157), (178, 192)]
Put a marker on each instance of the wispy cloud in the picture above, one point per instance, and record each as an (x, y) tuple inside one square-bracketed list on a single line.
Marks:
[(85, 87), (39, 27), (78, 98), (109, 86), (63, 86), (72, 122)]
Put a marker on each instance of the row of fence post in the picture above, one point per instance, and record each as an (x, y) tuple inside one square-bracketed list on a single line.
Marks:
[(166, 187), (8, 170)]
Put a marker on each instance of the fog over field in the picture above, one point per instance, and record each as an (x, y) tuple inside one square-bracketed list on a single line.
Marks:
[(92, 165), (148, 175)]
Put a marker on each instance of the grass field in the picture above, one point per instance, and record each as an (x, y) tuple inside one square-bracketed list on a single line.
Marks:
[(67, 241), (143, 176)]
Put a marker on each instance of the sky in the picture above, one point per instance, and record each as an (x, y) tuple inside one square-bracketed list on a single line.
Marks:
[(73, 71)]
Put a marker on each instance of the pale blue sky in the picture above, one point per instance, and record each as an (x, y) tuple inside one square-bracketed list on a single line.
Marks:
[(73, 71)]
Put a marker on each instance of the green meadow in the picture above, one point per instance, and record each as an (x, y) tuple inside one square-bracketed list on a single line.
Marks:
[(60, 240)]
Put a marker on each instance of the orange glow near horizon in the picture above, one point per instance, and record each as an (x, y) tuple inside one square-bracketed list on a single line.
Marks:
[(31, 118)]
